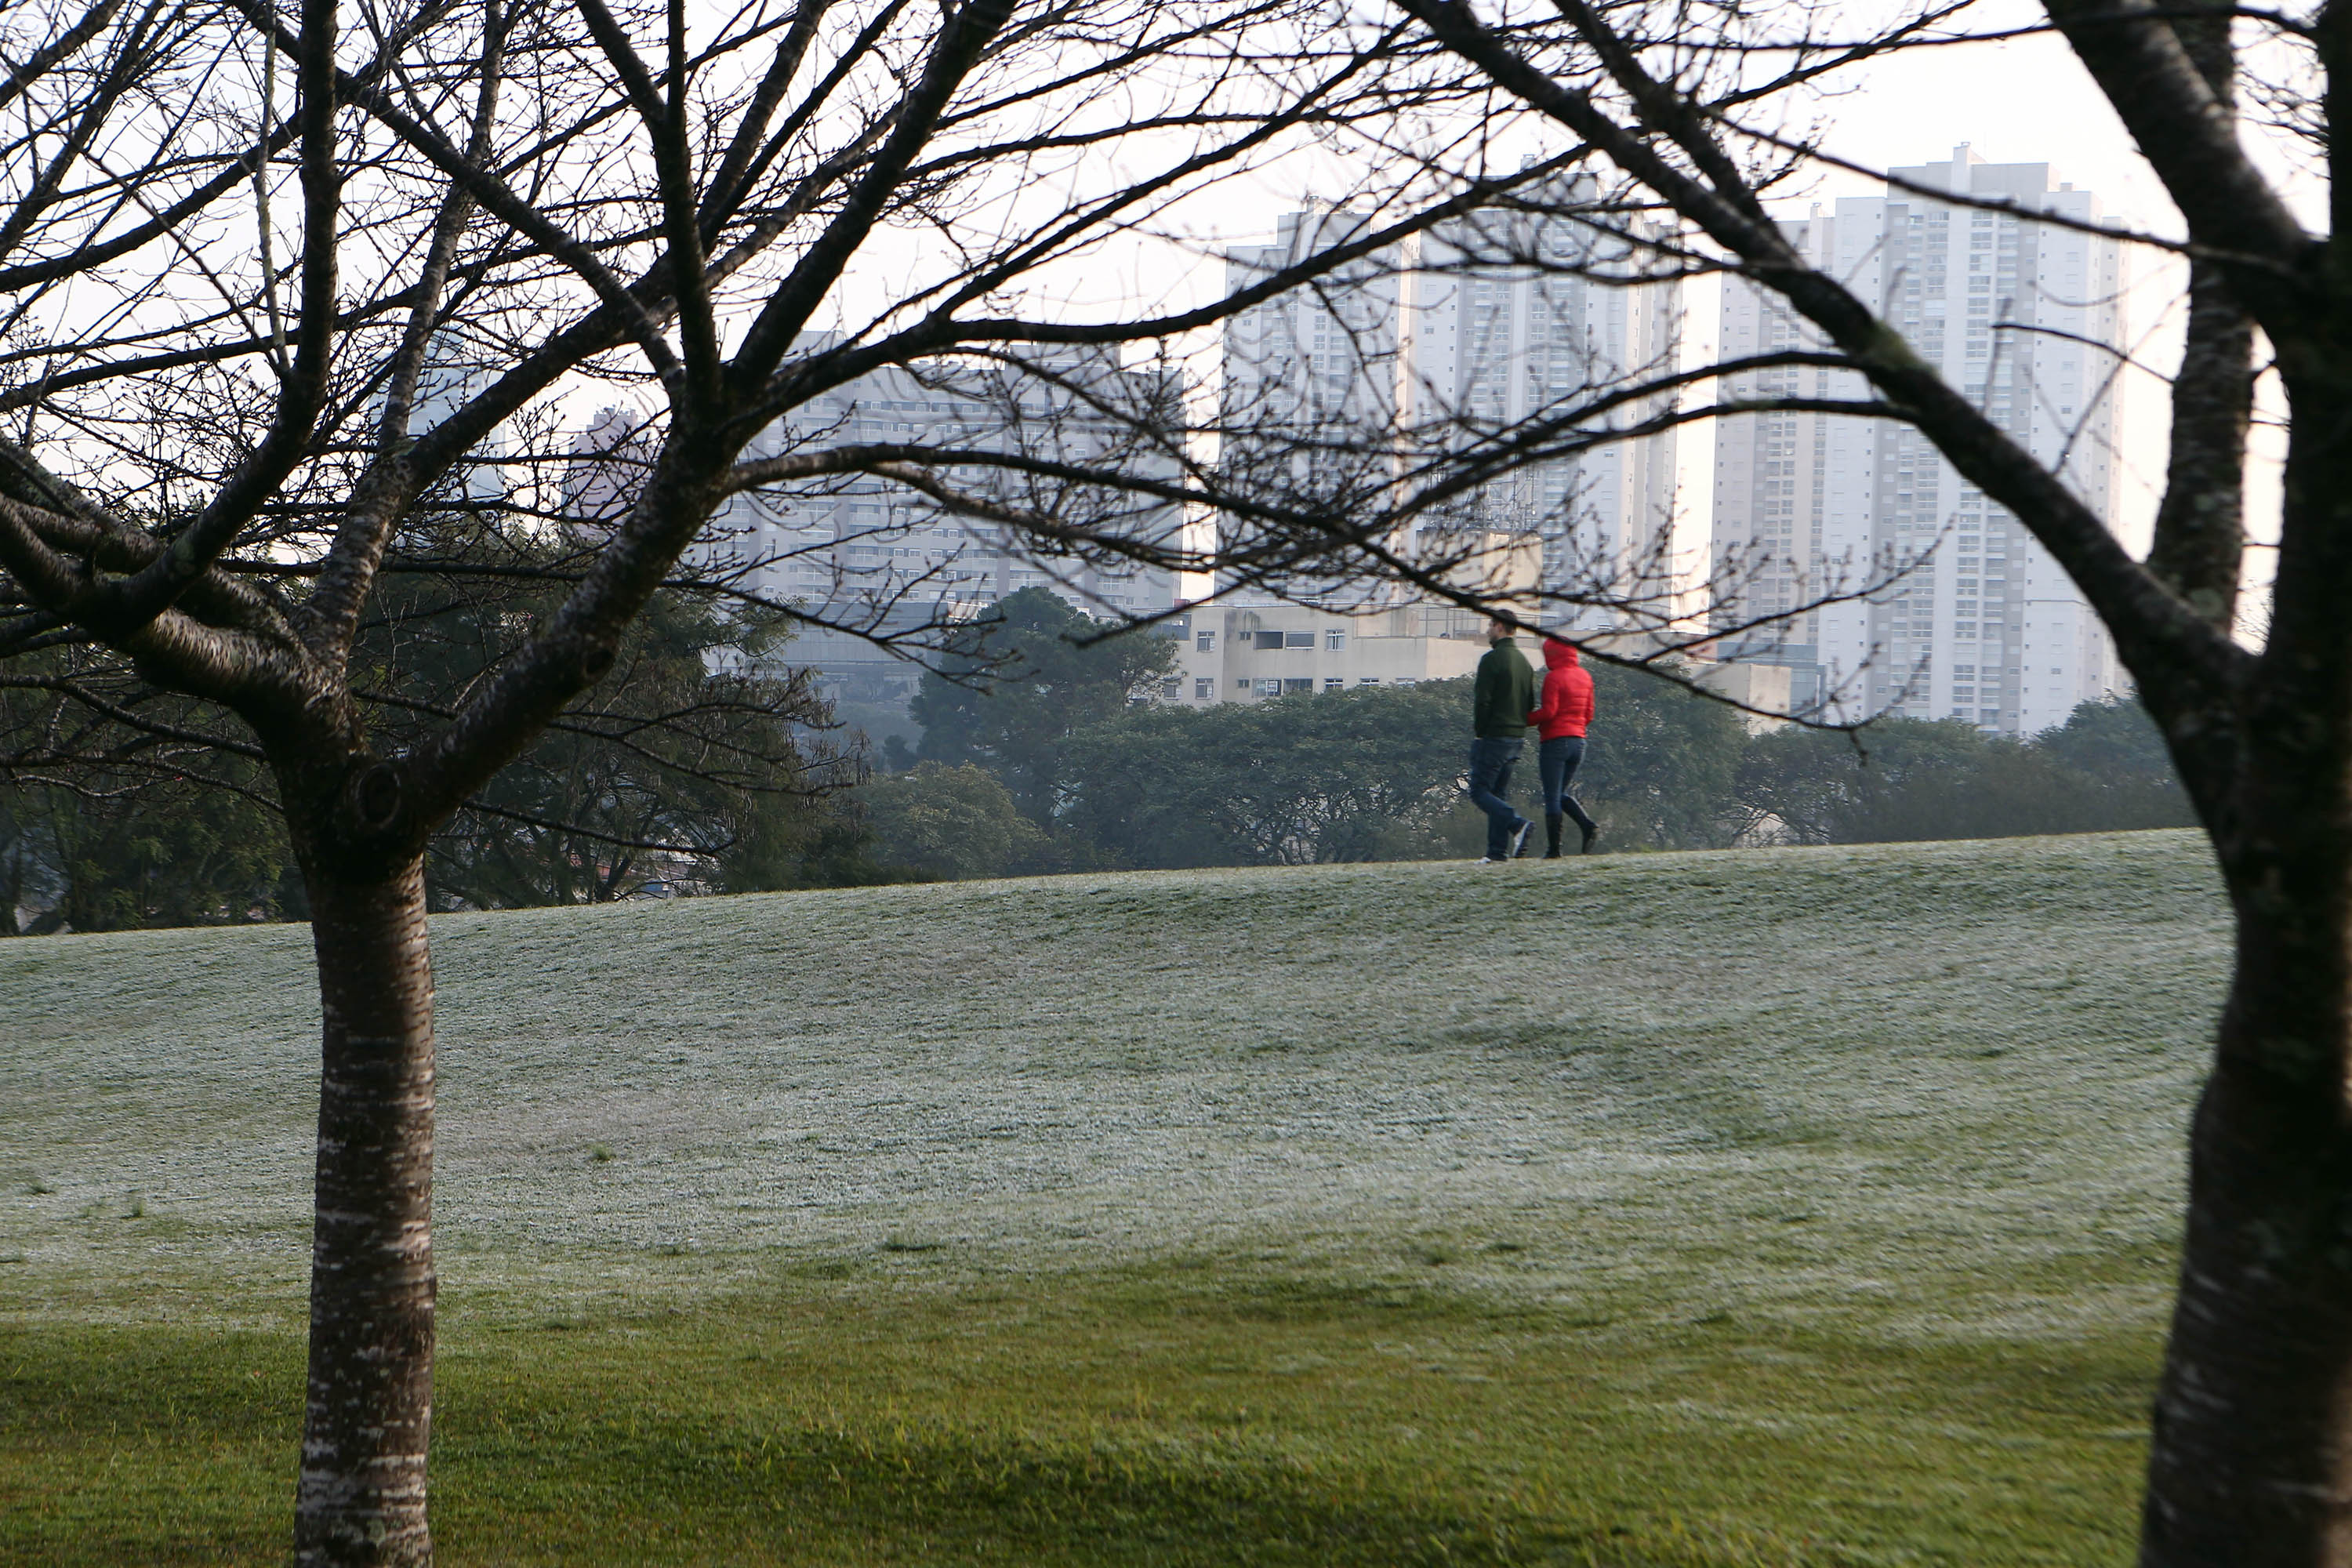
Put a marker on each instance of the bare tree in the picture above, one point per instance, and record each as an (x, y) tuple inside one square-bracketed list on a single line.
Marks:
[(2251, 1460), (243, 244)]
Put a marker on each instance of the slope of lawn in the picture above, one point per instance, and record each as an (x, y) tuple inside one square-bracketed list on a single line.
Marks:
[(1766, 1207)]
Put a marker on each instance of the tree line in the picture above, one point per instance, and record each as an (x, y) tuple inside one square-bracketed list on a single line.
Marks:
[(701, 764), (1065, 769), (1039, 755)]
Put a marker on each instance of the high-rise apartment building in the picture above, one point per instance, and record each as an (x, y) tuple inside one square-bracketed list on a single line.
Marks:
[(1423, 351), (867, 552), (453, 374), (1510, 319), (1307, 405), (1965, 616)]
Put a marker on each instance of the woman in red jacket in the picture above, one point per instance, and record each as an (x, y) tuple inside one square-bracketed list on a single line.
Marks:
[(1566, 710)]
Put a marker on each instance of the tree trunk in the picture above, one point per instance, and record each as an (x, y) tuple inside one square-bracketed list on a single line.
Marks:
[(362, 1494), (2251, 1459)]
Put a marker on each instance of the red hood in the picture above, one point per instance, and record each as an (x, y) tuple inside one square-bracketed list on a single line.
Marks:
[(1557, 655)]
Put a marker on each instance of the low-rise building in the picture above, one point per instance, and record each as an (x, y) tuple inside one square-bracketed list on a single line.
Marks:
[(1761, 690), (1249, 653)]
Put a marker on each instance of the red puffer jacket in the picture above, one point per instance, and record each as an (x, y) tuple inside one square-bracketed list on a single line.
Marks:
[(1567, 693)]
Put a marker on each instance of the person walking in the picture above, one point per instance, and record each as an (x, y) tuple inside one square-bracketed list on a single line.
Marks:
[(1500, 699), (1560, 723)]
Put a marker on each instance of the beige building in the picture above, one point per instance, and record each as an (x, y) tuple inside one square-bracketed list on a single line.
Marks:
[(1245, 654), (1251, 654), (1761, 690)]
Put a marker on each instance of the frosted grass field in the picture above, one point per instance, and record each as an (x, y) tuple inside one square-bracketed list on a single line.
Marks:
[(1911, 1075), (1909, 1100)]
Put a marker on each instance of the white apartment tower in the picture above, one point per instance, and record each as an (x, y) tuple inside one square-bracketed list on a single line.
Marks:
[(1421, 349), (1969, 617), (1506, 320), (1307, 404), (453, 374), (861, 550)]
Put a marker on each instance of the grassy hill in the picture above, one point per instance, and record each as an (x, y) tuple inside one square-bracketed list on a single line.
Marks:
[(1799, 1206)]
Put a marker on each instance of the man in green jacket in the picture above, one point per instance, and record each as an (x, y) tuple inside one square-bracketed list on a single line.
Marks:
[(1504, 695)]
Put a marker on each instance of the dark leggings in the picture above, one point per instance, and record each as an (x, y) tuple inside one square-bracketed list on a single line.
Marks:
[(1491, 760), (1555, 763)]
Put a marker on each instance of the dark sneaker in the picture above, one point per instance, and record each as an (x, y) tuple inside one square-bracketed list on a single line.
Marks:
[(1519, 837)]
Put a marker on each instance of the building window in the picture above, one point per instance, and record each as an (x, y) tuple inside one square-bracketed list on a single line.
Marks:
[(1333, 683), (1269, 639), (1204, 688), (1367, 681), (1205, 643), (1169, 688), (1298, 639), (1297, 683), (1335, 640), (1241, 683), (1269, 688)]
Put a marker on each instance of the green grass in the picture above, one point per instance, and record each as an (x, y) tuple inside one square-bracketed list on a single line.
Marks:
[(1794, 1206)]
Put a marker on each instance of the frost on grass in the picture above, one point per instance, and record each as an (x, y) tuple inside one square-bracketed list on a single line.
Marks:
[(1938, 1088)]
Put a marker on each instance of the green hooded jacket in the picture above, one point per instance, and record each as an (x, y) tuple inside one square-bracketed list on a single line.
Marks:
[(1504, 693)]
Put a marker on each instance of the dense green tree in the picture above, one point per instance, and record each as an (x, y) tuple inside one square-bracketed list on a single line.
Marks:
[(1375, 772), (1827, 786), (172, 854), (830, 846), (685, 751), (949, 823), (104, 827), (688, 755), (2115, 742), (1907, 779), (1326, 776), (1660, 765), (1021, 681)]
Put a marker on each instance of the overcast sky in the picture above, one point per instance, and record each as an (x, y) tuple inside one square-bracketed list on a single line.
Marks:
[(2021, 100), (2028, 100)]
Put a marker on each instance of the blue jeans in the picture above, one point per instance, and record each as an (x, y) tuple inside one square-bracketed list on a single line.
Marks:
[(1556, 765), (1491, 760)]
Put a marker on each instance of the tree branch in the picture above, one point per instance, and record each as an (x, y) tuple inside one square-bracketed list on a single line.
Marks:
[(2189, 136), (2153, 629)]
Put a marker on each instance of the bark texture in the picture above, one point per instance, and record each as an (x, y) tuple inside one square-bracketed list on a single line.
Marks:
[(370, 1411), (2250, 1462), (2251, 1457), (2200, 536), (2200, 546)]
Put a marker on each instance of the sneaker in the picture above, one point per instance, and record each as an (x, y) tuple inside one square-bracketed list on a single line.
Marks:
[(1519, 837), (1486, 861)]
